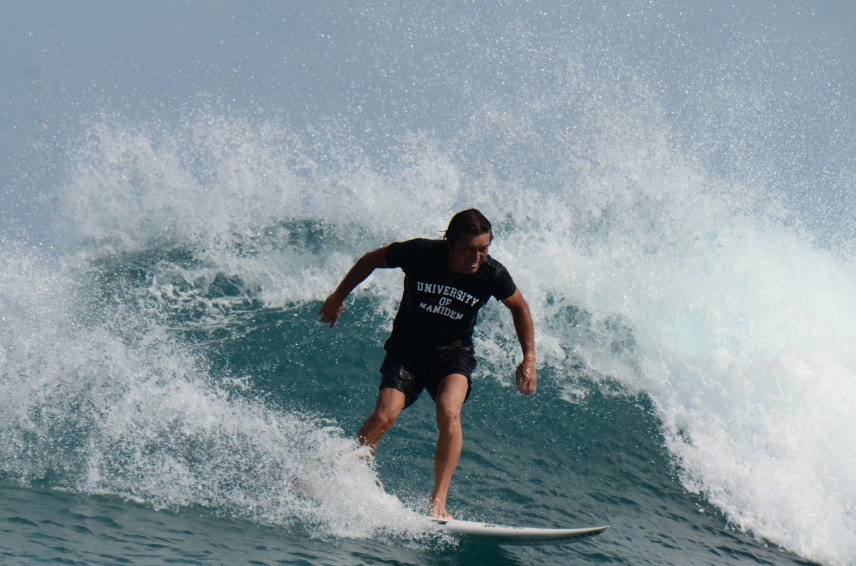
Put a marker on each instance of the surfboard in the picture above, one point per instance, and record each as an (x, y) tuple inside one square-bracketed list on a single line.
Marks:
[(517, 535)]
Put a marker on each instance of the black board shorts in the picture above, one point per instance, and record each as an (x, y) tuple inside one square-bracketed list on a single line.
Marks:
[(411, 373)]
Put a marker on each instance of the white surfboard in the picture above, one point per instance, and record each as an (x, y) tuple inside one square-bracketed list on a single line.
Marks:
[(517, 535)]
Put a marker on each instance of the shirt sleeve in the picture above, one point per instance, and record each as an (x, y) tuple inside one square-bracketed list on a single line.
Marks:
[(398, 254), (503, 284)]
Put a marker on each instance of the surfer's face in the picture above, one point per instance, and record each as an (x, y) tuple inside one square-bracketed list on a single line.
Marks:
[(468, 253)]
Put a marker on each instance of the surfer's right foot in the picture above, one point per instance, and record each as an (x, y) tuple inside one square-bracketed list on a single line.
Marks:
[(365, 453)]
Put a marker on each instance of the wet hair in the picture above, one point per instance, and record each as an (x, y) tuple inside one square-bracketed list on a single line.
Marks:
[(468, 222)]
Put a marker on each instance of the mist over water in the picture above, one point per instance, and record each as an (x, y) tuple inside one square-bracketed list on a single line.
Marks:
[(670, 185)]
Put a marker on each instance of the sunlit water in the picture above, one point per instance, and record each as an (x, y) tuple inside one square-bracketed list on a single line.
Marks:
[(679, 221)]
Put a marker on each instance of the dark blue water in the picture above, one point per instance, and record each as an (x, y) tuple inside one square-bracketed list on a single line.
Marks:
[(670, 186)]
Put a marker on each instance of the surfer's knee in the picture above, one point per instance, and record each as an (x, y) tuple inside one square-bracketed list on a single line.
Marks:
[(384, 418), (450, 400), (375, 427), (448, 418)]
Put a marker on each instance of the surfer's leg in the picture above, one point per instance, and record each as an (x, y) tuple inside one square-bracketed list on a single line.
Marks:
[(398, 389), (450, 397), (390, 403)]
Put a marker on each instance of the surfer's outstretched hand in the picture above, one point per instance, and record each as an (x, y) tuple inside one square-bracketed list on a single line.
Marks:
[(526, 377), (331, 310)]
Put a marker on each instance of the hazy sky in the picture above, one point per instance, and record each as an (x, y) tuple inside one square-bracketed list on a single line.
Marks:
[(404, 66)]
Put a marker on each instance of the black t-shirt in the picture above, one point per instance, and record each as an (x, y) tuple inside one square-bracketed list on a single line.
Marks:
[(439, 306)]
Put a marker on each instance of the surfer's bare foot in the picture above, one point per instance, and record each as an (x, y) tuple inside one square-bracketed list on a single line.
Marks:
[(365, 455), (438, 510)]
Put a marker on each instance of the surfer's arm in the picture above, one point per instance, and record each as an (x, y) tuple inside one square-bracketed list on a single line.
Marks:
[(333, 306), (526, 374)]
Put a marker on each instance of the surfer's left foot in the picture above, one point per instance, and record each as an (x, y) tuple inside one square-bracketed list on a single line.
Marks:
[(438, 511)]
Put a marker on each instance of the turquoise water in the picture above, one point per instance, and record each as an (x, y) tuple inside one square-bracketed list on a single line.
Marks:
[(670, 186), (221, 434)]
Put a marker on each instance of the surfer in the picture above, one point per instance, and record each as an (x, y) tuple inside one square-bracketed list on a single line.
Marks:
[(430, 347)]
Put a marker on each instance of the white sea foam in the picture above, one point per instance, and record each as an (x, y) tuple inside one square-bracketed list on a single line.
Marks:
[(648, 270), (653, 233), (108, 402), (739, 335)]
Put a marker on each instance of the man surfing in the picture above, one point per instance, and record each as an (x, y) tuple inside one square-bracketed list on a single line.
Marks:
[(446, 282)]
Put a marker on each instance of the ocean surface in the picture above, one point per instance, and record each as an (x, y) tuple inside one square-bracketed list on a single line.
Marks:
[(671, 185)]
